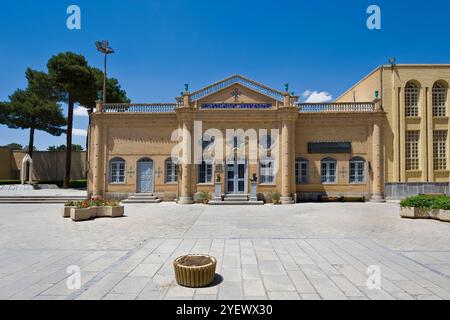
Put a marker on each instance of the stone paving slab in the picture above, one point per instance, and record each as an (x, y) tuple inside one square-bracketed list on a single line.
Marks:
[(307, 251)]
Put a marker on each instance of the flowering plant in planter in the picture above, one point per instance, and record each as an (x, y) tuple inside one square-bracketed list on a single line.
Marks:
[(92, 208)]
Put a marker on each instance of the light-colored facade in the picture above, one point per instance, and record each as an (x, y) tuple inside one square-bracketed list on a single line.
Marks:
[(351, 147)]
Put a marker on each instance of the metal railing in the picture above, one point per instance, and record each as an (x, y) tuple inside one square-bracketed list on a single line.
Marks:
[(337, 107), (139, 107)]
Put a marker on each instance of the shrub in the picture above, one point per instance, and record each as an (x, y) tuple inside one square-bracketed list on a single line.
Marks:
[(442, 203), (203, 196), (276, 196), (426, 202)]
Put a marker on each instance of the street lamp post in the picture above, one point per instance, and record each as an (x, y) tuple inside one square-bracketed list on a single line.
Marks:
[(103, 47)]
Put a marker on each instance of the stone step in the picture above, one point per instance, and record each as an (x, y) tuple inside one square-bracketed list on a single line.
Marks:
[(235, 203), (130, 201), (234, 199), (142, 197)]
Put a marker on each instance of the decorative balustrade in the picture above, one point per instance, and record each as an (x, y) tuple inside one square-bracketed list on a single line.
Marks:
[(139, 107), (337, 107), (233, 80)]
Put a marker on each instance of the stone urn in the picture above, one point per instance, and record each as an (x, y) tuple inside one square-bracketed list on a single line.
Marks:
[(195, 271)]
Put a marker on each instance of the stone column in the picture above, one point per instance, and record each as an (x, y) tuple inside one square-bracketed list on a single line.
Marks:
[(186, 118), (97, 157), (377, 162), (288, 116)]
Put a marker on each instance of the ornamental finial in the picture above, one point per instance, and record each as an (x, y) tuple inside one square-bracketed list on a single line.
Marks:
[(186, 87)]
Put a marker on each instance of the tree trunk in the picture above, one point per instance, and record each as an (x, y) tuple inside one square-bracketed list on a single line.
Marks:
[(31, 142), (30, 151), (69, 143)]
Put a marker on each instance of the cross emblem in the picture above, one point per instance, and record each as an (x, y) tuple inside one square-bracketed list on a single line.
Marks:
[(130, 172), (158, 172), (344, 172), (236, 93)]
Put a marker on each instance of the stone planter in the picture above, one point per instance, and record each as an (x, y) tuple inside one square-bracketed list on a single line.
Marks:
[(96, 212), (110, 212), (66, 211), (434, 214), (83, 214), (414, 213), (195, 271), (444, 215), (419, 213)]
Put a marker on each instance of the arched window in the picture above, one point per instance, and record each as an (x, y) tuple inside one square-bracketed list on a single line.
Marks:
[(171, 171), (328, 170), (301, 171), (205, 172), (439, 94), (267, 141), (117, 170), (357, 170), (411, 100), (267, 171)]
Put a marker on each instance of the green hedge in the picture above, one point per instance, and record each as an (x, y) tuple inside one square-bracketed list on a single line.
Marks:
[(427, 202), (74, 184)]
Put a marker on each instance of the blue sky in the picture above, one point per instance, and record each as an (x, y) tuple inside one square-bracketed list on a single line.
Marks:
[(318, 45)]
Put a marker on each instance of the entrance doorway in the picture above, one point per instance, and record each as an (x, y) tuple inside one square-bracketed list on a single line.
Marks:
[(145, 176), (236, 177)]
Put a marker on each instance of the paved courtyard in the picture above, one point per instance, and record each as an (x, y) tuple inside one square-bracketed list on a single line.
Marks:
[(304, 251)]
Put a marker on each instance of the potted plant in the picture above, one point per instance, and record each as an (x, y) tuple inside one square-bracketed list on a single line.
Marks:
[(195, 271), (275, 197), (204, 197)]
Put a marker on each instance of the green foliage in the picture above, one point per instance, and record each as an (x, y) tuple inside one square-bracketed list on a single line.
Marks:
[(426, 202), (62, 147), (14, 146), (114, 92), (276, 196), (442, 203), (8, 182), (34, 108), (203, 196), (74, 78)]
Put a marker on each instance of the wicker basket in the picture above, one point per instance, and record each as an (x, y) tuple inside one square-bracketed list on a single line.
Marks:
[(194, 276)]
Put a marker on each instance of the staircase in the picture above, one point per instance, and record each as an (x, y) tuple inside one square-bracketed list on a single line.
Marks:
[(23, 199), (236, 200), (142, 198)]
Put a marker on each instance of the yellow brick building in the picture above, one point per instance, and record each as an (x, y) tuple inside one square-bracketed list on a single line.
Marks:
[(388, 133)]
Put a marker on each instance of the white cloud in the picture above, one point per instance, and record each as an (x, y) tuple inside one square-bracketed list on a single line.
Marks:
[(79, 132), (318, 97), (306, 94), (80, 112)]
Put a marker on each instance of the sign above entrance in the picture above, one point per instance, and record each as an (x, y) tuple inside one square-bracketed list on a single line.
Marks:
[(237, 106), (329, 147)]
